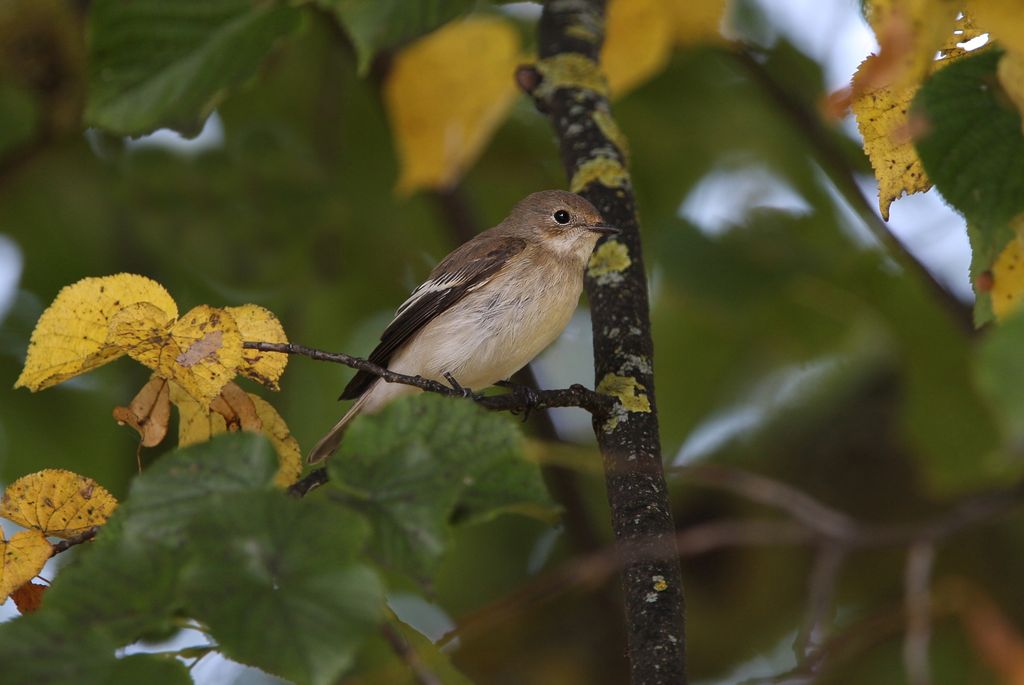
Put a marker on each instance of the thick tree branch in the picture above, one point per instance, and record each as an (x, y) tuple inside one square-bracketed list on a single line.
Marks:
[(567, 84), (519, 399)]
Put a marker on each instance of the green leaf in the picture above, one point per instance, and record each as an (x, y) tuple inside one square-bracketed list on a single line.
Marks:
[(148, 669), (382, 666), (377, 25), (47, 649), (127, 590), (127, 581), (163, 499), (1000, 375), (276, 581), (425, 459), (18, 118), (973, 150), (158, 64)]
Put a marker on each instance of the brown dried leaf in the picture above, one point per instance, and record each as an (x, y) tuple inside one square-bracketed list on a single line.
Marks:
[(149, 412)]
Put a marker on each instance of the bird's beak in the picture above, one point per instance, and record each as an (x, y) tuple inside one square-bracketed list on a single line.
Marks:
[(604, 229)]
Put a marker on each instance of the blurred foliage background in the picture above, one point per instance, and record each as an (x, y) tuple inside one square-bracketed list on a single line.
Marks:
[(793, 345)]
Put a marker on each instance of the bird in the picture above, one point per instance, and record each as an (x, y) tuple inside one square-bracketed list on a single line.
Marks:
[(487, 309)]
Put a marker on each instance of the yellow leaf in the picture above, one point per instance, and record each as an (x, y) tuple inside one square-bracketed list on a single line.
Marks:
[(71, 336), (446, 94), (257, 324), (57, 502), (289, 455), (149, 412), (1000, 18), (24, 556), (697, 21), (1008, 280), (638, 42), (201, 351), (1011, 77), (196, 424), (910, 33), (888, 140)]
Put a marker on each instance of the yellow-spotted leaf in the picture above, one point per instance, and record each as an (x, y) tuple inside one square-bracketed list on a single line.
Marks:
[(197, 424), (72, 335), (24, 556), (909, 33), (1007, 289), (149, 412), (257, 324), (888, 140), (57, 502), (201, 351), (289, 455), (638, 42), (446, 94)]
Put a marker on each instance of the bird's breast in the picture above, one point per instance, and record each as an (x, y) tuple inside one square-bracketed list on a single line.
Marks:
[(495, 331)]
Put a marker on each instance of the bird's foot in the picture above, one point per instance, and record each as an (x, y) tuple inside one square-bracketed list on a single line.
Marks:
[(527, 397), (465, 392)]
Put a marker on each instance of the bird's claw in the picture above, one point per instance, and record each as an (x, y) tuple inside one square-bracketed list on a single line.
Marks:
[(465, 392), (526, 395)]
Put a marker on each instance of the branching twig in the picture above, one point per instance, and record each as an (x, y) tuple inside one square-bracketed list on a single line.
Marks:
[(840, 535), (574, 396)]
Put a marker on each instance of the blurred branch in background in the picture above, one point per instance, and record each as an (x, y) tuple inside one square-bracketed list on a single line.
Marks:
[(832, 160), (834, 535)]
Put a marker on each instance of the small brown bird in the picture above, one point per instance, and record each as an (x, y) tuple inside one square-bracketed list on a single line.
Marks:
[(488, 308)]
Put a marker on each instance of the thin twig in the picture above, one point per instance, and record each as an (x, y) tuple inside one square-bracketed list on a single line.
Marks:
[(841, 533), (406, 653), (65, 545), (917, 580), (833, 162), (828, 563), (311, 481), (516, 400), (828, 522)]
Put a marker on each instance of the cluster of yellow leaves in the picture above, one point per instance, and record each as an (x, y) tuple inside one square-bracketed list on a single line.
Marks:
[(448, 92), (193, 357), (910, 34), (50, 503)]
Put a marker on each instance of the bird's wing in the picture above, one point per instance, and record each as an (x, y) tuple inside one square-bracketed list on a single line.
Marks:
[(466, 269)]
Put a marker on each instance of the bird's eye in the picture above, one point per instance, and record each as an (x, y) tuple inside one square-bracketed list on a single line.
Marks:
[(561, 216)]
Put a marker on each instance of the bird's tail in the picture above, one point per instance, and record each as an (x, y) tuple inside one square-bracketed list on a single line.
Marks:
[(329, 443)]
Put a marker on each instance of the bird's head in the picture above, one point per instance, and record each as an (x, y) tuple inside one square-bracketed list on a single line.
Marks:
[(561, 221)]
